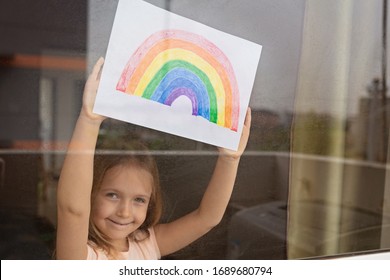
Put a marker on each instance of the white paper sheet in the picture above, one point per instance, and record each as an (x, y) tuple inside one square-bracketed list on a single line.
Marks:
[(172, 74)]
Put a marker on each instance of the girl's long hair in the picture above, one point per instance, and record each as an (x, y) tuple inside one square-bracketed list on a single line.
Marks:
[(140, 158)]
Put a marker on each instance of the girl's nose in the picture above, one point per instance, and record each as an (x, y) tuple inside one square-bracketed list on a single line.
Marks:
[(125, 209)]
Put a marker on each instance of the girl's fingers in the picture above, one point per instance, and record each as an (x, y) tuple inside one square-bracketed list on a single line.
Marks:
[(97, 68), (248, 117)]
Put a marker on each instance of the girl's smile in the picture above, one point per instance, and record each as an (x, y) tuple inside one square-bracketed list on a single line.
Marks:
[(119, 225)]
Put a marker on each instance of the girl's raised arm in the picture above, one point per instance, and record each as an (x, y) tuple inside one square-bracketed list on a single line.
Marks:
[(179, 233), (75, 183)]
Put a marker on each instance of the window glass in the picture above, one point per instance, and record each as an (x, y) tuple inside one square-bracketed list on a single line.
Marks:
[(313, 180)]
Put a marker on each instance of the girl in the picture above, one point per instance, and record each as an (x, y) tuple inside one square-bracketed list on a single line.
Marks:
[(112, 212)]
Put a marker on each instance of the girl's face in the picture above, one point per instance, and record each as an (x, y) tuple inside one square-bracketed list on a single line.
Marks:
[(121, 203)]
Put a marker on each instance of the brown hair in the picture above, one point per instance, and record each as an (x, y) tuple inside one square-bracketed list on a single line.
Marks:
[(140, 158)]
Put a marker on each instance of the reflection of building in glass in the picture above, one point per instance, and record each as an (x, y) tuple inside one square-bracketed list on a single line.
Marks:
[(368, 132)]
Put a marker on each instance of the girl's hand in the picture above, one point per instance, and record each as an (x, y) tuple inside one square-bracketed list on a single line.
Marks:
[(243, 141), (90, 91)]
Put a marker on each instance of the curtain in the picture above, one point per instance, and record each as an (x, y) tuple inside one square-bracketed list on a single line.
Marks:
[(337, 194)]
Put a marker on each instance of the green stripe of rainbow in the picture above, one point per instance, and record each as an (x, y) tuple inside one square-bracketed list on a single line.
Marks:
[(143, 72)]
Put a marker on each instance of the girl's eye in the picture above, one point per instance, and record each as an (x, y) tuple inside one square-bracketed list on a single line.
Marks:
[(140, 200), (112, 195)]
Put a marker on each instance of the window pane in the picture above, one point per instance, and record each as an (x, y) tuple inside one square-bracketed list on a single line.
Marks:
[(313, 181)]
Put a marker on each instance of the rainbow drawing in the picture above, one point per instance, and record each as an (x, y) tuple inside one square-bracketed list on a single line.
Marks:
[(174, 63)]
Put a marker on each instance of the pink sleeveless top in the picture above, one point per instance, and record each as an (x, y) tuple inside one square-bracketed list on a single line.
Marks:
[(145, 249)]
